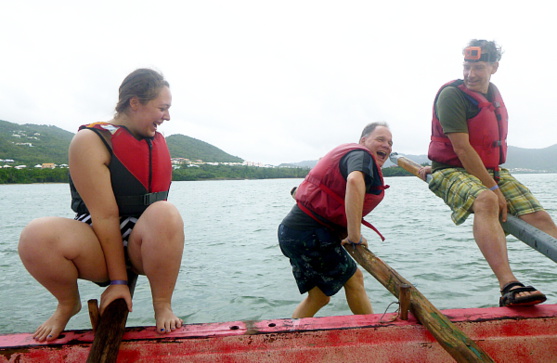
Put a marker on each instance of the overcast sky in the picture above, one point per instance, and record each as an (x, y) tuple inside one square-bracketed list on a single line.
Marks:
[(275, 81)]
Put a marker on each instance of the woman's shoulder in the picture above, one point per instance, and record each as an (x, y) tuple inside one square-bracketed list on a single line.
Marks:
[(86, 142)]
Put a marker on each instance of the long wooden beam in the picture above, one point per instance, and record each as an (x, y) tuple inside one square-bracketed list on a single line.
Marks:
[(452, 339)]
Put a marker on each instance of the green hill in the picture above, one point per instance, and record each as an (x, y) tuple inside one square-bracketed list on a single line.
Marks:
[(518, 160), (31, 144), (182, 146), (34, 144), (532, 159)]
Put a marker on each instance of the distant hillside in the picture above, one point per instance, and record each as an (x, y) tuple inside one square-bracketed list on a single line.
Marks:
[(517, 159), (542, 160), (311, 163), (532, 159), (31, 144), (182, 146), (301, 164)]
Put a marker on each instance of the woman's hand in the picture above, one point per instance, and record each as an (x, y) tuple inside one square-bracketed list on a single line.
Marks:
[(115, 292)]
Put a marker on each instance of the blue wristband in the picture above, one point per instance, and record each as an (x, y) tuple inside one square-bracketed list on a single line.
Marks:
[(354, 243), (118, 282), (495, 187)]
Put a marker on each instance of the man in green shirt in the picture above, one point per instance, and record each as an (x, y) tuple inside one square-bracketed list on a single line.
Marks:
[(468, 144)]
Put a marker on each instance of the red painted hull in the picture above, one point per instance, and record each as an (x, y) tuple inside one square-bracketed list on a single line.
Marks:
[(507, 335)]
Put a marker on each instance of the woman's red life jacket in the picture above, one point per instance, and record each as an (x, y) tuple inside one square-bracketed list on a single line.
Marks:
[(140, 170)]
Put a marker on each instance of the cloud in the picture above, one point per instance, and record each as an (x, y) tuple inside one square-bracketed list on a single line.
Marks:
[(274, 81)]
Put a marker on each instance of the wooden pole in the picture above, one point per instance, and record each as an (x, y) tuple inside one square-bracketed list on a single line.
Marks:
[(404, 301), (533, 237), (94, 316), (452, 339), (110, 328)]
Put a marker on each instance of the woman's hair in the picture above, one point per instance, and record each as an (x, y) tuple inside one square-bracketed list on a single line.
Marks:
[(488, 47), (143, 83)]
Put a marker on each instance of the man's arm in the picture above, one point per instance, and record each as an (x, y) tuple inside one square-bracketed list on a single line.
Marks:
[(475, 166), (354, 201)]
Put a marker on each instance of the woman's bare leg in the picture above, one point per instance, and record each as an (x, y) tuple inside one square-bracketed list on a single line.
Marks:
[(155, 249), (56, 252)]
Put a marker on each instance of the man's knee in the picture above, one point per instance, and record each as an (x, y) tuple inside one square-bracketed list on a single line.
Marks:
[(356, 282), (538, 216), (540, 219), (358, 276), (323, 300), (318, 297), (486, 201)]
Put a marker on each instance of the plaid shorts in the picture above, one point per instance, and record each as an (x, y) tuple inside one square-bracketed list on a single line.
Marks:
[(317, 259), (459, 190)]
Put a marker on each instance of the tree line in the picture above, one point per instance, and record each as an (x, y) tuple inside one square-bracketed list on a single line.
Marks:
[(33, 175), (202, 172)]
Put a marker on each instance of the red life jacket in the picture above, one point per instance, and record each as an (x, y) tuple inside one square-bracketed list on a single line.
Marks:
[(487, 130), (140, 170), (323, 190)]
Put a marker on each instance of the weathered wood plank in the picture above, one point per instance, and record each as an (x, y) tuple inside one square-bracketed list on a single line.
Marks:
[(452, 339), (110, 329)]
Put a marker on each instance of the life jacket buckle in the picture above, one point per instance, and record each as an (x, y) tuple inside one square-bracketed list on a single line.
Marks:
[(149, 199)]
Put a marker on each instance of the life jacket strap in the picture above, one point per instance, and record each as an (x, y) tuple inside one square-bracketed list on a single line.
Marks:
[(312, 215), (369, 225), (496, 174), (145, 199)]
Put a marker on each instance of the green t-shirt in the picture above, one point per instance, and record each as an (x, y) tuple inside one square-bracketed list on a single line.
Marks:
[(453, 110)]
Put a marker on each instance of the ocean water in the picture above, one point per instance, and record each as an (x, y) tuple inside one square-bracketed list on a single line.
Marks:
[(233, 269)]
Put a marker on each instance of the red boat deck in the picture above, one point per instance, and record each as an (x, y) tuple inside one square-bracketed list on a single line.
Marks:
[(507, 335)]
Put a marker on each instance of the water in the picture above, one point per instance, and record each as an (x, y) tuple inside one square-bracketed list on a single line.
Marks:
[(233, 268)]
